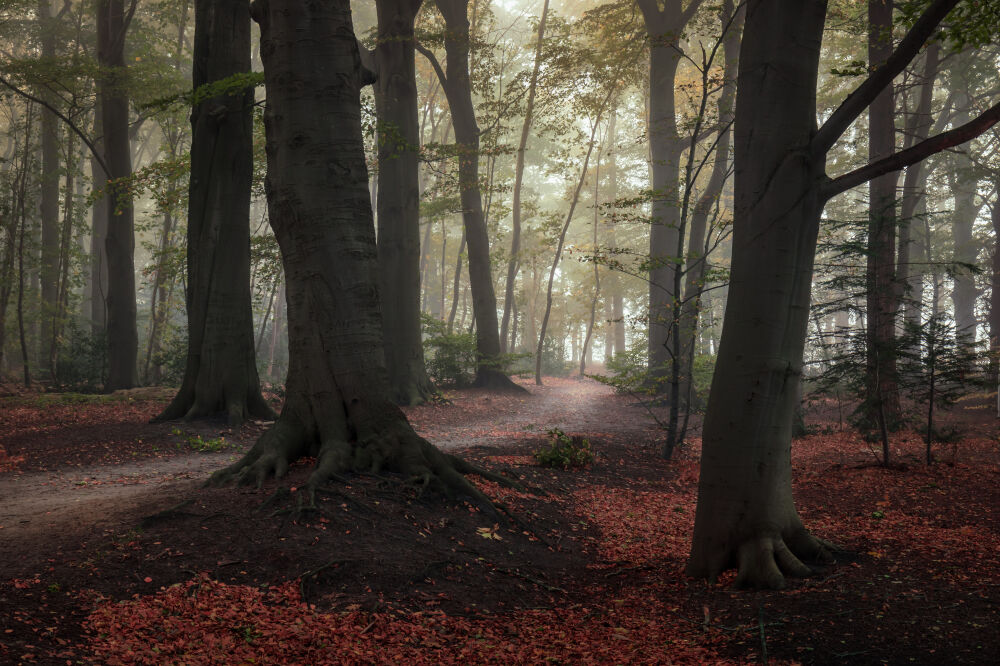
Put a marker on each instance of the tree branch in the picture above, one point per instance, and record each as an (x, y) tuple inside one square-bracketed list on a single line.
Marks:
[(864, 94), (920, 151), (61, 116), (427, 53)]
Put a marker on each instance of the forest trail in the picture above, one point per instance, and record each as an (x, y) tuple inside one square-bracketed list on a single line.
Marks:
[(111, 490)]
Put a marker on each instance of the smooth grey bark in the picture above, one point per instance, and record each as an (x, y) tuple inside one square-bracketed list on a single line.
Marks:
[(398, 201), (337, 405), (515, 237), (964, 187), (918, 124), (746, 516), (663, 28), (882, 403), (458, 90), (122, 334), (220, 374)]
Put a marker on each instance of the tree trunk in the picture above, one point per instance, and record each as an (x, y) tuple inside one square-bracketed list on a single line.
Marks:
[(97, 282), (909, 276), (663, 27), (515, 238), (995, 278), (559, 247), (398, 201), (458, 89), (221, 370), (882, 404), (746, 515), (697, 256), (48, 198), (964, 186), (123, 337), (337, 406)]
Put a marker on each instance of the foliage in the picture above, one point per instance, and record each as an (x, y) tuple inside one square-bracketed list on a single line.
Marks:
[(83, 363), (938, 367), (554, 363), (450, 357), (172, 355), (200, 444), (564, 451)]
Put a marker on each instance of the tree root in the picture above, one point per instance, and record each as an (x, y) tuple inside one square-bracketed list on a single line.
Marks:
[(398, 450), (765, 561)]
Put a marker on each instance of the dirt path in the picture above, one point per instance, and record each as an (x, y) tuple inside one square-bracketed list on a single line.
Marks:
[(82, 499)]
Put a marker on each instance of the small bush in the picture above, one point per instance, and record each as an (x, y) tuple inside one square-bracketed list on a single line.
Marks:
[(450, 357), (565, 451), (83, 360)]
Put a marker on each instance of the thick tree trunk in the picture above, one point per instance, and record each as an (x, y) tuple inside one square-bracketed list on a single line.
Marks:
[(746, 516), (337, 406), (221, 371), (882, 405), (458, 89), (398, 201), (123, 337), (515, 237)]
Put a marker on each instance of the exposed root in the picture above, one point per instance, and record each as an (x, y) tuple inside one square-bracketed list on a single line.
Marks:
[(398, 449), (495, 380), (765, 561)]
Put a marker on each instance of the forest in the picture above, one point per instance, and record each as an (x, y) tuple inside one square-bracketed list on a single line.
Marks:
[(499, 331)]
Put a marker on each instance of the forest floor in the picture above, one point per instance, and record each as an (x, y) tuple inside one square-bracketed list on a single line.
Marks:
[(91, 571)]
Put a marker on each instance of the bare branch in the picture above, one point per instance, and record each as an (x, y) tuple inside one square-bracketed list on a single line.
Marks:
[(864, 94), (920, 151)]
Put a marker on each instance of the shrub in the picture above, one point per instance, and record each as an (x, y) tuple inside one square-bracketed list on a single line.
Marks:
[(564, 451), (450, 357)]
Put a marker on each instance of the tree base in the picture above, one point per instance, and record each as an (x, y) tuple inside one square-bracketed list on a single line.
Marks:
[(396, 448), (765, 561), (191, 405), (495, 380)]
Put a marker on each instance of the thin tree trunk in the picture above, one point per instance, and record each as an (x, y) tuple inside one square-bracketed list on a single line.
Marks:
[(98, 276), (883, 390), (515, 239), (48, 198), (559, 247), (597, 273), (964, 187), (457, 285), (918, 125)]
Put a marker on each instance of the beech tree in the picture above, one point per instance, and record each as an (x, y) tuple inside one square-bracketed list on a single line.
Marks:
[(746, 517), (458, 89), (337, 406), (123, 337), (220, 374), (398, 200)]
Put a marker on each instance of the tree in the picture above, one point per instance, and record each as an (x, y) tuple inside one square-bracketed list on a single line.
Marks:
[(663, 28), (881, 292), (123, 337), (515, 236), (746, 516), (399, 200), (458, 90), (337, 405), (221, 369)]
